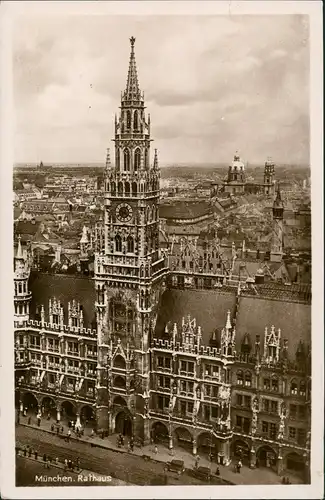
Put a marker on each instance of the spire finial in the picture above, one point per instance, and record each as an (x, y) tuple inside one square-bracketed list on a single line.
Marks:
[(132, 41), (228, 322), (19, 254), (132, 91)]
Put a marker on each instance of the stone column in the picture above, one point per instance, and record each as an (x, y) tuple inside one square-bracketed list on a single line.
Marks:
[(252, 458), (194, 447), (170, 442), (78, 423), (58, 415)]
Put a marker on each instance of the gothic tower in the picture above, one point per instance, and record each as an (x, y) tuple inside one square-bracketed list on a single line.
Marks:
[(277, 230), (129, 273), (22, 296), (269, 181)]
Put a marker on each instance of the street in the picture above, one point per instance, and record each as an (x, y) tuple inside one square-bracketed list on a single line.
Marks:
[(129, 468)]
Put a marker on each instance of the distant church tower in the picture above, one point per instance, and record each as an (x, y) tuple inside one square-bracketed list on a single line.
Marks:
[(277, 231), (129, 273), (269, 182), (22, 296)]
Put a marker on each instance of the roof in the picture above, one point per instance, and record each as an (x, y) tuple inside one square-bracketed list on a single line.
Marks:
[(208, 307), (184, 210), (255, 313), (26, 227), (64, 288)]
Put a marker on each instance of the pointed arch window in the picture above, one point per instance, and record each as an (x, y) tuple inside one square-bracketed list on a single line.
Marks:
[(113, 188), (146, 158), (20, 288), (117, 159), (118, 243), (248, 379), (134, 189), (294, 388), (127, 189), (126, 160), (275, 384), (120, 188), (240, 378), (130, 244), (137, 159), (128, 119), (136, 120)]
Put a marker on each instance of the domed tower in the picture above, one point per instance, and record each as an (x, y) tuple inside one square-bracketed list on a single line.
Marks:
[(22, 295), (277, 230), (129, 272), (269, 182)]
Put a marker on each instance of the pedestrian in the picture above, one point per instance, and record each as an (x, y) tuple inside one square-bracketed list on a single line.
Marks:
[(36, 455), (69, 464), (30, 452), (132, 445), (24, 413), (57, 430), (29, 420), (69, 435), (69, 424), (57, 460), (25, 452), (49, 416), (62, 430), (218, 472), (197, 459), (65, 464), (72, 424), (38, 421), (44, 457), (156, 449), (52, 428), (92, 433)]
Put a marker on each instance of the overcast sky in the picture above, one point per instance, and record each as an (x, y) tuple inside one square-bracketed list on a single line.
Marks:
[(213, 85)]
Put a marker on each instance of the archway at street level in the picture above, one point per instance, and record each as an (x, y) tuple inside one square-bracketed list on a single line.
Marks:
[(159, 433), (123, 424), (30, 403)]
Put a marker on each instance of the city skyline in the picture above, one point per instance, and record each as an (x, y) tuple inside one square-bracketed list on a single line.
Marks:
[(65, 97)]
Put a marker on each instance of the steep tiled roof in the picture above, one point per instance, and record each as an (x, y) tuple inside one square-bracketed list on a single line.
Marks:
[(208, 307), (294, 320), (184, 210), (30, 228), (64, 288)]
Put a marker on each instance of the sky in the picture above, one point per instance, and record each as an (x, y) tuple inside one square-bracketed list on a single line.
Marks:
[(213, 85)]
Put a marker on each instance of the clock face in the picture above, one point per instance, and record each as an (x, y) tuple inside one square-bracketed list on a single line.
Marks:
[(124, 212)]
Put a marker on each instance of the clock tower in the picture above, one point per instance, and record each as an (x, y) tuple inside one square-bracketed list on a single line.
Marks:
[(130, 272)]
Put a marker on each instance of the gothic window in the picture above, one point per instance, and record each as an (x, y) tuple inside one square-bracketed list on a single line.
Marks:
[(120, 188), (275, 384), (294, 388), (126, 160), (240, 377), (122, 128), (120, 382), (117, 159), (135, 121), (118, 243), (128, 119), (248, 379), (119, 362), (302, 388), (127, 189), (266, 384), (137, 159), (20, 287), (130, 244), (113, 188), (134, 188), (146, 154)]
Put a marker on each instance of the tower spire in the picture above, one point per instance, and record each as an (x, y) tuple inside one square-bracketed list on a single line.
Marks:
[(132, 91), (19, 254)]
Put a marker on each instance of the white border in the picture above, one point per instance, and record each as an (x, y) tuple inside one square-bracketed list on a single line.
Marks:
[(8, 10)]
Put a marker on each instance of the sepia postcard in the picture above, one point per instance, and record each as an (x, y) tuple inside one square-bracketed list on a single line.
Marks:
[(162, 250)]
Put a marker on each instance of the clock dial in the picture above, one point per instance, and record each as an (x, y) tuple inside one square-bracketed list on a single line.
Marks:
[(123, 212)]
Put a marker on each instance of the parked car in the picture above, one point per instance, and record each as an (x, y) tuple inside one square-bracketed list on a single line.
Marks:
[(175, 466), (203, 473)]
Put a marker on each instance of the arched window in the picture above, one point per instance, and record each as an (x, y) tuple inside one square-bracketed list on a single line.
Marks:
[(130, 244), (134, 189), (120, 188), (117, 159), (146, 158), (135, 120), (137, 159), (275, 384), (119, 362), (113, 188), (127, 189), (118, 243), (128, 119), (20, 287), (240, 377), (122, 128), (248, 379), (126, 160), (294, 388), (302, 388), (120, 382)]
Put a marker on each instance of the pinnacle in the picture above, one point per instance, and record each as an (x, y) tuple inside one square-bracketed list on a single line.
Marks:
[(132, 85)]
